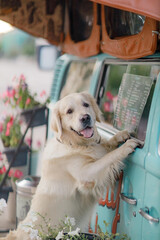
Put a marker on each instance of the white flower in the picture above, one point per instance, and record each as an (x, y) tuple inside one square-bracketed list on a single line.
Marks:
[(73, 233), (26, 227), (33, 216), (34, 234), (70, 221), (60, 235), (3, 205)]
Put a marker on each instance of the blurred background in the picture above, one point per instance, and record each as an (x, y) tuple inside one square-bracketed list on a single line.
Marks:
[(18, 55)]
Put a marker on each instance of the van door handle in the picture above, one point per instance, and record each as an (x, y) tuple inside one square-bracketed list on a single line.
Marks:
[(128, 200), (145, 213)]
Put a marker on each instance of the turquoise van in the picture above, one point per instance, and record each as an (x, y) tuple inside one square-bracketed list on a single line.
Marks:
[(133, 207)]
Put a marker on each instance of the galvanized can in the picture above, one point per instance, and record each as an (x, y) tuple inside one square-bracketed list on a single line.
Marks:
[(25, 190)]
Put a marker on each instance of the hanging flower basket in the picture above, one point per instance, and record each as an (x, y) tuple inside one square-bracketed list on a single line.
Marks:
[(19, 96), (40, 118), (22, 156)]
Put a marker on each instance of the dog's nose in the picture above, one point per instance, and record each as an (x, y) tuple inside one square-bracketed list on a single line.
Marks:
[(86, 119)]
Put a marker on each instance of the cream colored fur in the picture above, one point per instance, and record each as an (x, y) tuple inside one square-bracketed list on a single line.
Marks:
[(75, 170)]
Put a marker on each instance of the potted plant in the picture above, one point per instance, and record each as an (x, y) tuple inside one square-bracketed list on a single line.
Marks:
[(13, 175), (8, 190), (10, 133), (20, 96), (65, 230)]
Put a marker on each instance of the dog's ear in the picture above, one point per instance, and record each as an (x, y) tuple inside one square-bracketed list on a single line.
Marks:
[(94, 106), (56, 122)]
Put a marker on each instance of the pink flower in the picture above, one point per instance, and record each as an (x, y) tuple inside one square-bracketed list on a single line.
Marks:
[(39, 144), (18, 174), (109, 96), (43, 93), (12, 93), (28, 101), (4, 95), (10, 174), (22, 77), (3, 169), (1, 127), (9, 125), (107, 107), (28, 141), (1, 158), (7, 94), (7, 132)]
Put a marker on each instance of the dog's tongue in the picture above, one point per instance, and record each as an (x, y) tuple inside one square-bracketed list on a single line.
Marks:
[(87, 132)]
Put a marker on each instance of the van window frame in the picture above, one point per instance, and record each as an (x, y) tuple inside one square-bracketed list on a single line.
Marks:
[(106, 127)]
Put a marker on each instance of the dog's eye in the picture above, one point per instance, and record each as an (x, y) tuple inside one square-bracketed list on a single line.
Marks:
[(69, 111), (85, 104)]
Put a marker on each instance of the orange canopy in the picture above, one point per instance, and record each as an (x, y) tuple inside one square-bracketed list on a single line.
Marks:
[(150, 8)]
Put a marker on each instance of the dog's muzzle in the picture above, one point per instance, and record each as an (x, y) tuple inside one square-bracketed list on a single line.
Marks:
[(86, 121), (87, 128)]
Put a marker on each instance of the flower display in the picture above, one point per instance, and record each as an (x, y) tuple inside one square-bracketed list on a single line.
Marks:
[(13, 174), (10, 131), (65, 230), (19, 95)]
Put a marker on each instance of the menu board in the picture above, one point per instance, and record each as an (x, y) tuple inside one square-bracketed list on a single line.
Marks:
[(132, 98)]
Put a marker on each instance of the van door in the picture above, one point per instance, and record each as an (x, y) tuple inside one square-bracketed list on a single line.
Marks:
[(150, 211), (123, 214)]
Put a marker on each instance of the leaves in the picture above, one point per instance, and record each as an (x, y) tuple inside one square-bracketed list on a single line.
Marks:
[(11, 132), (64, 230), (21, 96)]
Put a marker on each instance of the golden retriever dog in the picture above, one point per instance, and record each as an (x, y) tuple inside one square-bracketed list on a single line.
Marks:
[(77, 164)]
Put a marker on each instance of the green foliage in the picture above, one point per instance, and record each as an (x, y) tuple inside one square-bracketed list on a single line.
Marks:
[(64, 230), (110, 236), (20, 95), (11, 132)]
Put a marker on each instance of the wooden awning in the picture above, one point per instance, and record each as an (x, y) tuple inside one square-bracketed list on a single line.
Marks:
[(48, 19), (41, 18), (149, 8)]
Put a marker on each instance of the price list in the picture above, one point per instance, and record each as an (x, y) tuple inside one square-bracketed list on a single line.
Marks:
[(132, 98)]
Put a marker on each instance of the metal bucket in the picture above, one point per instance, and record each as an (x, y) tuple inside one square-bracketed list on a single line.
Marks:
[(25, 189)]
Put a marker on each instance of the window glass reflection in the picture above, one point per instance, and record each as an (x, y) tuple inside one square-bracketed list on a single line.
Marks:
[(121, 23)]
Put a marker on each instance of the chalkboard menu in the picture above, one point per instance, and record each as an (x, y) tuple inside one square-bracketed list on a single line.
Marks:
[(132, 98)]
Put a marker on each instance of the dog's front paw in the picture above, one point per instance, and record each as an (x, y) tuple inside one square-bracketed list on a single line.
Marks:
[(122, 136), (129, 146)]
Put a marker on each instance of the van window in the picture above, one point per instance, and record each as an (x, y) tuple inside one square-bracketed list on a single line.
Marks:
[(78, 77), (128, 91), (121, 23)]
